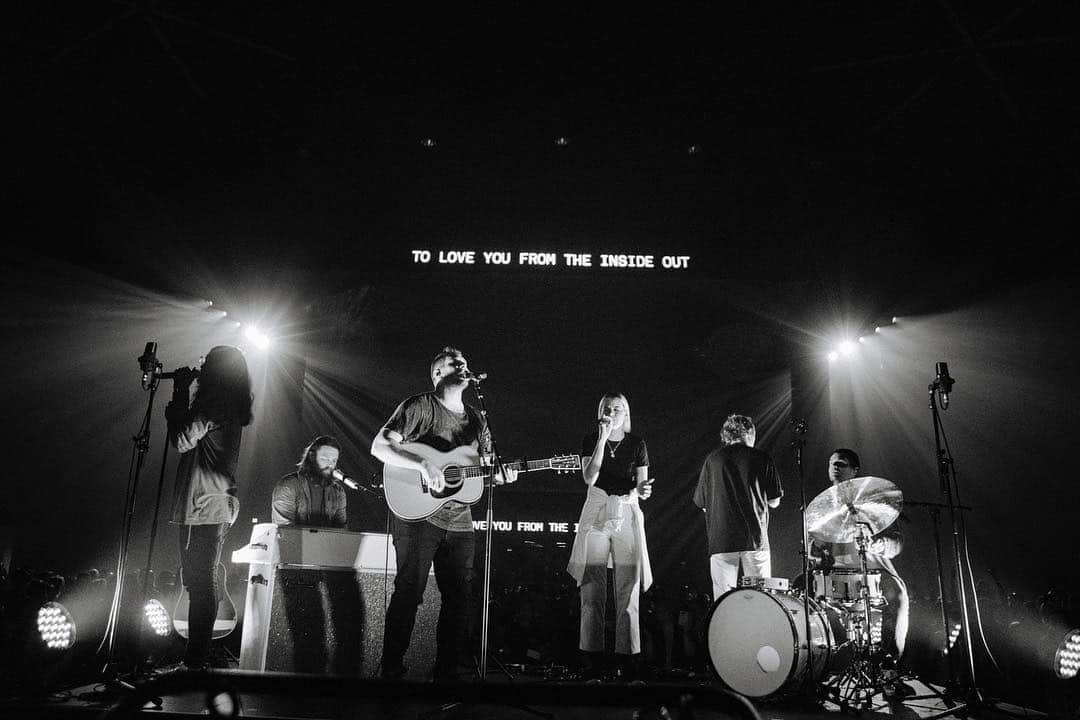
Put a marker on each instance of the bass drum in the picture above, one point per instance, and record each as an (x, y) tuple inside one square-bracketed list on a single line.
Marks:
[(757, 642)]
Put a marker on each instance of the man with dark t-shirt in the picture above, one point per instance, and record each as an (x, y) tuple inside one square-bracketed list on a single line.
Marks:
[(441, 420), (737, 486)]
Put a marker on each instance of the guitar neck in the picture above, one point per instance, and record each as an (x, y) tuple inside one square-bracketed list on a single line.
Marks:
[(473, 471)]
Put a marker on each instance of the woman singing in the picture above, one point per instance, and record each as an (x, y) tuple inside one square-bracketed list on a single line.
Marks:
[(207, 434), (616, 471)]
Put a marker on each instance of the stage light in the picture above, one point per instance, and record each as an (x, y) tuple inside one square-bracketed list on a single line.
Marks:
[(862, 339), (954, 635), (157, 617), (257, 337), (223, 703), (56, 626), (895, 320), (1067, 655), (428, 142), (847, 348), (833, 356), (877, 329), (562, 141)]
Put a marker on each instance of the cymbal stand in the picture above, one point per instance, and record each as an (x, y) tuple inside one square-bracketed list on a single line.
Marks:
[(862, 540), (855, 688)]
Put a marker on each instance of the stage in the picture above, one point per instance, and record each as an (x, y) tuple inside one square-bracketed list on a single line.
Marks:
[(283, 695)]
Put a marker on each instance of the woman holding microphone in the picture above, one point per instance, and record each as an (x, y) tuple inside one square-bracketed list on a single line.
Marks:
[(616, 473)]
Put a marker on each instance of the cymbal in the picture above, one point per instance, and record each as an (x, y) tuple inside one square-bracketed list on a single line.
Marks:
[(838, 512)]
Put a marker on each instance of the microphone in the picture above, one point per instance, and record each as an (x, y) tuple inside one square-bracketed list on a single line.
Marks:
[(341, 477), (944, 383), (148, 363), (473, 377)]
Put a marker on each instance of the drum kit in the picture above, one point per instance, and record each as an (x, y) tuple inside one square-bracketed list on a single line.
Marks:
[(762, 645)]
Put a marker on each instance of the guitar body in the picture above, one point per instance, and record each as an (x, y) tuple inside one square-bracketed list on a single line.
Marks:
[(224, 621), (410, 499)]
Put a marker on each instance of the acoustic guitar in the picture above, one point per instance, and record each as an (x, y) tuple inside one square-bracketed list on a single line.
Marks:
[(224, 620), (410, 498)]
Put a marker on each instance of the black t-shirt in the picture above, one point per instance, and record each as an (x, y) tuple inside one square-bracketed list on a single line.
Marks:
[(423, 419), (617, 474), (734, 488)]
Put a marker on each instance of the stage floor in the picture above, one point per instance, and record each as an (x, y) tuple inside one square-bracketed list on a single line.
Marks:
[(278, 695)]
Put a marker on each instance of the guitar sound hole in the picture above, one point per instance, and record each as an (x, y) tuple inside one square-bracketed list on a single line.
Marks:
[(453, 477)]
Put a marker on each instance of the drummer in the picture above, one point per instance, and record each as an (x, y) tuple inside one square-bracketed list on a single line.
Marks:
[(883, 547)]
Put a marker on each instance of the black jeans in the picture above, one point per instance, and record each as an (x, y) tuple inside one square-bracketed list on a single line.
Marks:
[(417, 545), (200, 553)]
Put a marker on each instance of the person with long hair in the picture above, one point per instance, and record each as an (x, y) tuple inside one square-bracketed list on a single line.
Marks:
[(207, 433), (310, 496), (612, 527)]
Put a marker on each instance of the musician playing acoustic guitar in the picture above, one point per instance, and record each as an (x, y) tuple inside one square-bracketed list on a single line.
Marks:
[(440, 420)]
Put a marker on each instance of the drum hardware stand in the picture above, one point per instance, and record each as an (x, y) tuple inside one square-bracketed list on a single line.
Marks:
[(856, 686), (862, 540)]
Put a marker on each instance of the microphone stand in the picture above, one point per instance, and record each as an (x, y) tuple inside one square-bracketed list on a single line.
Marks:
[(489, 482), (951, 688), (359, 488), (798, 441), (973, 698), (141, 441)]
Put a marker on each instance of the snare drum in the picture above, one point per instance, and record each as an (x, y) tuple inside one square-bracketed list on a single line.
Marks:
[(757, 641), (844, 586)]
